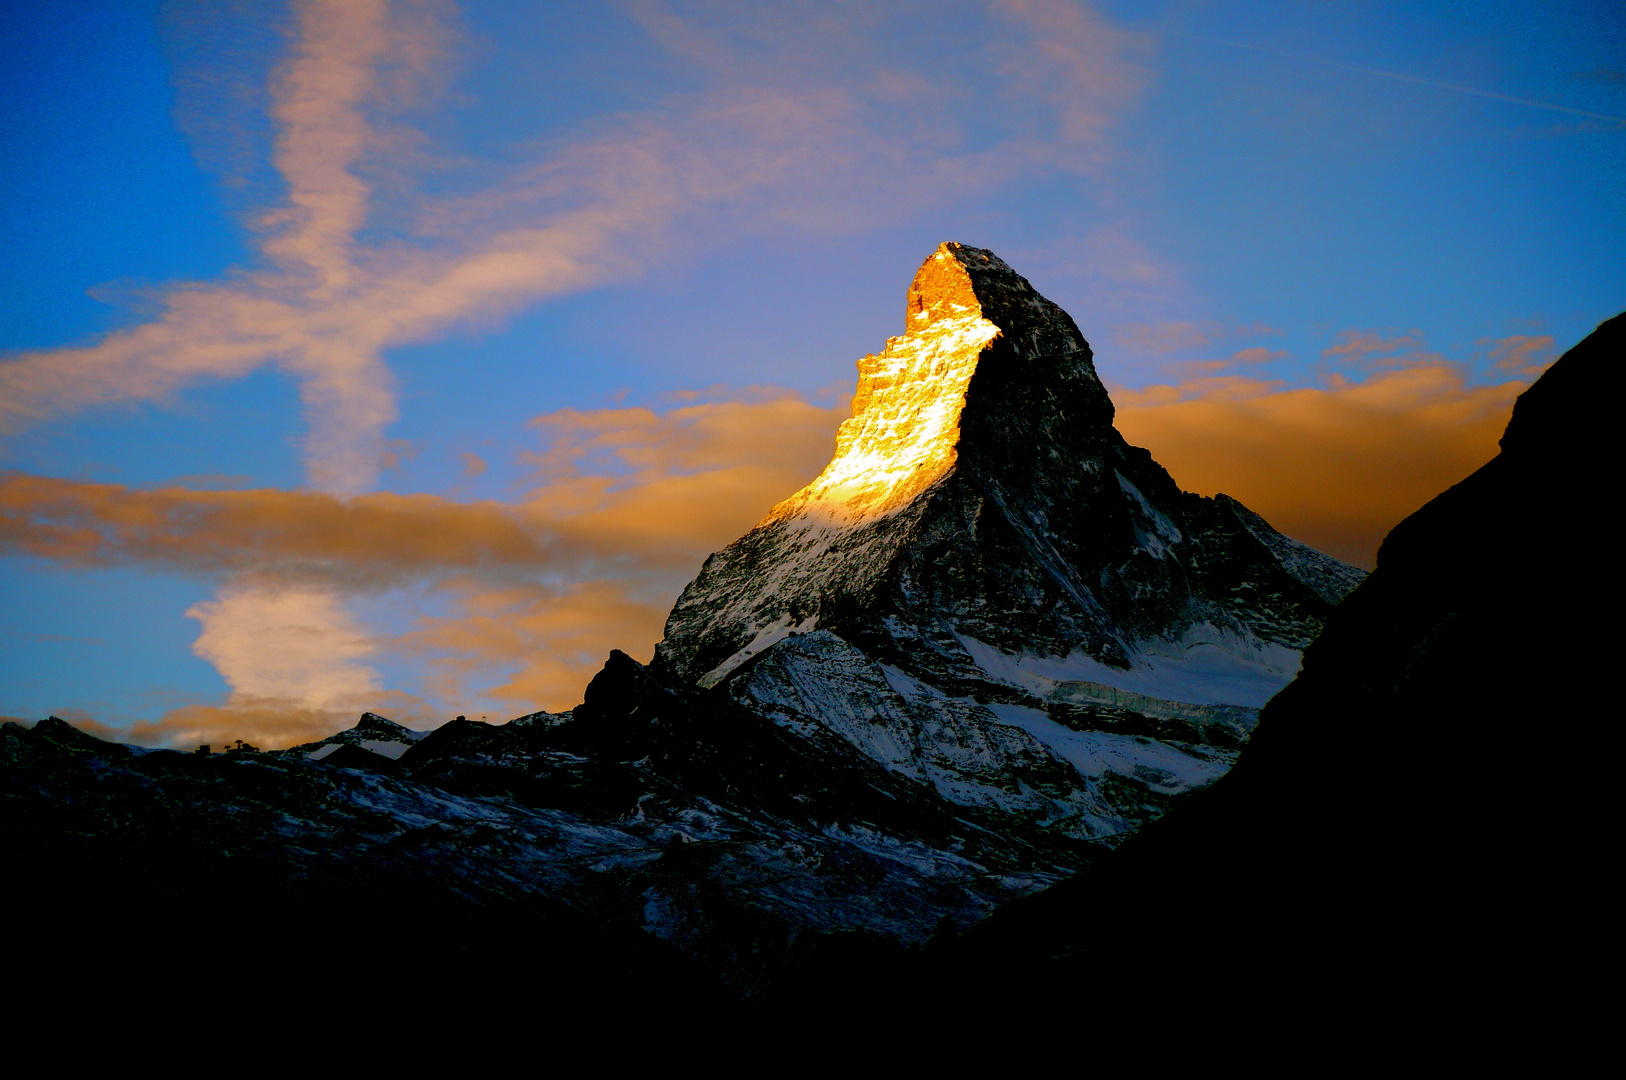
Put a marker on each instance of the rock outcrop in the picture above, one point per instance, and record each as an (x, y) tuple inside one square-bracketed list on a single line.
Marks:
[(987, 556)]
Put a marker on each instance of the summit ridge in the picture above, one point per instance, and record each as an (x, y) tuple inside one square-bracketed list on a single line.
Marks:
[(979, 491), (905, 430)]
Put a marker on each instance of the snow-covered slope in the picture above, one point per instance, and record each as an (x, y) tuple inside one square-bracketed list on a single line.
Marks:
[(372, 732)]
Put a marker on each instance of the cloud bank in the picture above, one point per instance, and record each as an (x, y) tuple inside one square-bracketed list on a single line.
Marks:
[(518, 603)]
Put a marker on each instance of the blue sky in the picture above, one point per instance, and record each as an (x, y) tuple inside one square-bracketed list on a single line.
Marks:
[(411, 355)]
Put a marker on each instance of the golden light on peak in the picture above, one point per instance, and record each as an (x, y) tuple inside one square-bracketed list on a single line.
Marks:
[(905, 427)]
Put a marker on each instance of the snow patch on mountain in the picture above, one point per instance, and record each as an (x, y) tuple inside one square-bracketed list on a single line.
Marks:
[(1163, 768), (766, 637), (1206, 666), (391, 750)]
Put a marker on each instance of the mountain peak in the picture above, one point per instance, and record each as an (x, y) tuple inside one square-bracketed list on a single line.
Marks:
[(905, 433), (943, 286), (981, 502)]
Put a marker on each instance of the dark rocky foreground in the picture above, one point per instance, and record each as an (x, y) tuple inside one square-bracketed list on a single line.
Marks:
[(1445, 881), (571, 860)]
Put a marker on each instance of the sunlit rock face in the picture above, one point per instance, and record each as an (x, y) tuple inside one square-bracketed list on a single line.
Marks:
[(987, 573), (980, 491)]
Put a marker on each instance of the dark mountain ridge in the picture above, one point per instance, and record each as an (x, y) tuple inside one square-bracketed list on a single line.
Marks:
[(990, 642), (1446, 878)]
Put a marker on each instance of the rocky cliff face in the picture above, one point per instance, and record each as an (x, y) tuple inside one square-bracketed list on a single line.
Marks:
[(986, 644), (985, 549), (980, 491)]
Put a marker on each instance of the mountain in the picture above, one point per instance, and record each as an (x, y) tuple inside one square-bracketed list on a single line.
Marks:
[(1412, 846), (987, 579), (986, 644), (980, 501), (372, 734)]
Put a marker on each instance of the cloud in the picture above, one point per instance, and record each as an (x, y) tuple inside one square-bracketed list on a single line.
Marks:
[(1369, 350), (306, 309), (1523, 354), (526, 647), (1337, 466), (364, 542), (518, 603), (296, 661), (834, 133), (1257, 355), (620, 488), (1089, 69), (1198, 388), (1240, 358), (290, 642), (268, 723)]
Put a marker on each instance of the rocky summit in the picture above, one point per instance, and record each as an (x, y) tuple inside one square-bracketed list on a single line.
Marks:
[(986, 644), (990, 591)]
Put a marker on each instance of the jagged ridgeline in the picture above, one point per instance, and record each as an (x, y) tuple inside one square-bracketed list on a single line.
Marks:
[(981, 500), (989, 641), (987, 576)]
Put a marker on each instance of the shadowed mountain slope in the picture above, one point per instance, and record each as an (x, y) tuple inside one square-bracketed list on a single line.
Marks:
[(1417, 834)]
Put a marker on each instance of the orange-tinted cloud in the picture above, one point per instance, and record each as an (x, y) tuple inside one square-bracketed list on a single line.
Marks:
[(368, 541), (1240, 358), (791, 127), (1257, 355), (268, 723), (617, 486), (1336, 467), (528, 647), (524, 600), (1523, 354), (1371, 351)]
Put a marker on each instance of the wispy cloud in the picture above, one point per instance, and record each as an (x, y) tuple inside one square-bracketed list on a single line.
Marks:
[(842, 144), (1164, 338), (792, 121), (1523, 354), (518, 602)]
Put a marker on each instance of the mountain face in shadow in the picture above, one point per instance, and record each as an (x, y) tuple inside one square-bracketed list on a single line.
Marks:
[(1417, 826), (987, 644), (989, 591)]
